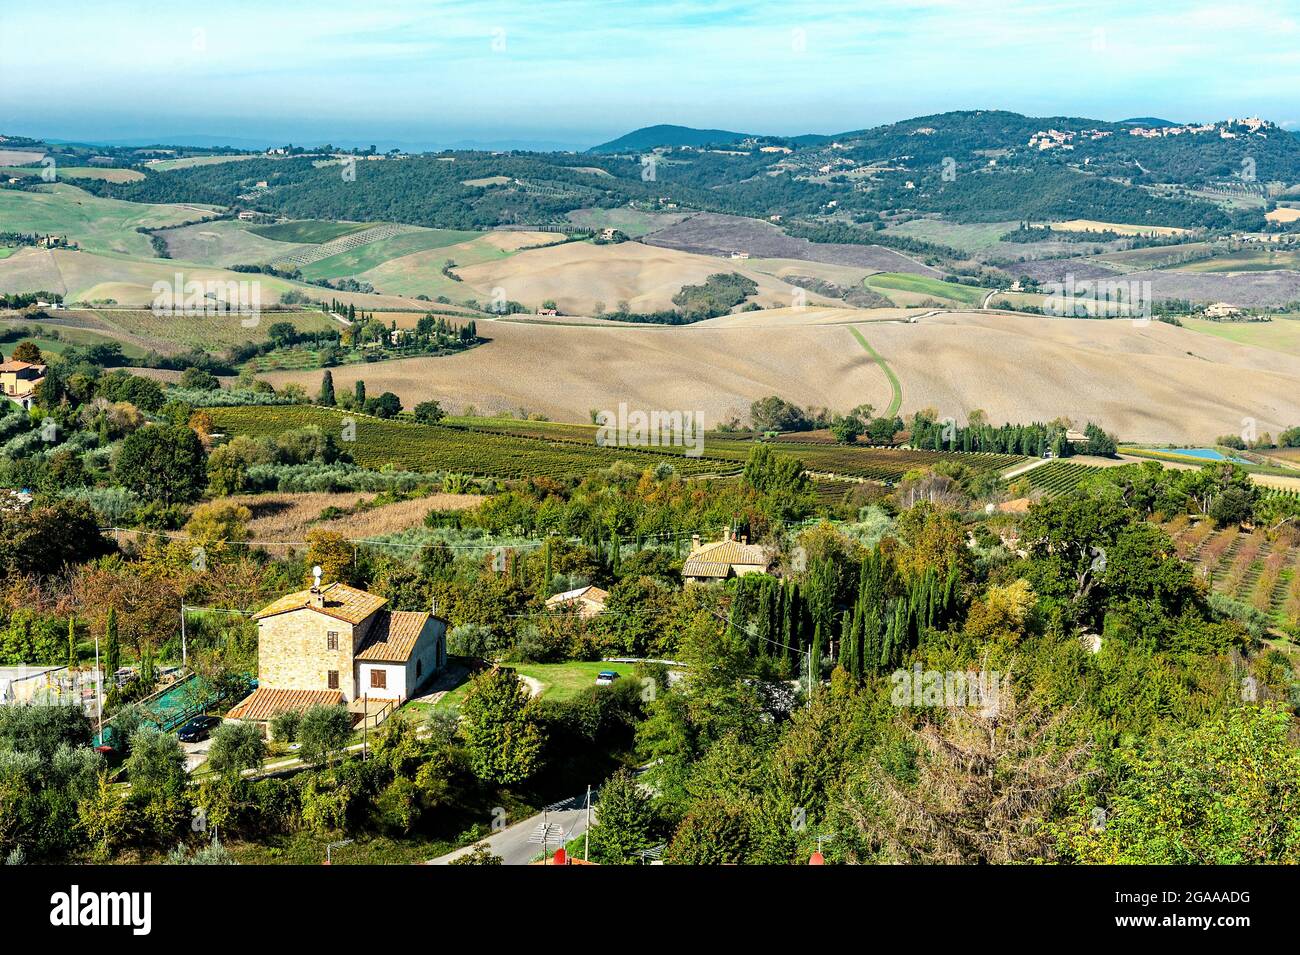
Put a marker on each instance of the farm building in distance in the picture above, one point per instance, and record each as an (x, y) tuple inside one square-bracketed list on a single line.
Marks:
[(725, 558), (586, 601), (337, 644)]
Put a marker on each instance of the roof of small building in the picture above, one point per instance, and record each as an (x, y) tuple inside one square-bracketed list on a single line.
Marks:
[(716, 559), (393, 637), (592, 593), (14, 364), (265, 703), (340, 601)]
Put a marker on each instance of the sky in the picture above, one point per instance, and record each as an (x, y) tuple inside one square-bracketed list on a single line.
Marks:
[(573, 73)]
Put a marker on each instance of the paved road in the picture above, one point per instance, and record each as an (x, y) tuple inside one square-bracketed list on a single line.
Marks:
[(520, 844)]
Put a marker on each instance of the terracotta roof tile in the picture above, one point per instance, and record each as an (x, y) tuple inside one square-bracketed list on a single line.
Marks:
[(393, 635), (341, 601), (264, 703)]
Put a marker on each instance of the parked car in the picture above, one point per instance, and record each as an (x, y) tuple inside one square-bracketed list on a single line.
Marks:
[(197, 729), (606, 677)]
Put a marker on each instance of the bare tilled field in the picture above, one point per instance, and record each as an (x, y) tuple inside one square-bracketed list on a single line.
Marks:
[(578, 275), (1276, 287), (712, 234), (1150, 383), (288, 517)]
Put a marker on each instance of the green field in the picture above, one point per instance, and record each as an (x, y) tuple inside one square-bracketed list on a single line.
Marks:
[(968, 237), (373, 254), (1281, 334), (187, 162), (95, 224), (74, 172), (308, 231), (1247, 260), (913, 285), (73, 336)]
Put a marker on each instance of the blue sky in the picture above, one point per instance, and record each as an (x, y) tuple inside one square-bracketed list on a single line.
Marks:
[(582, 71)]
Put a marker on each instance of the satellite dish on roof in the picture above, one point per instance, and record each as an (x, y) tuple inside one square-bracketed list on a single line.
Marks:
[(316, 572)]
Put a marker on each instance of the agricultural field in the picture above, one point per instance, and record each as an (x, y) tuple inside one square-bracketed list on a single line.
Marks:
[(1282, 334), (211, 333), (363, 258), (70, 336), (1091, 225), (1157, 257), (288, 517), (74, 172), (1251, 567), (631, 222), (1283, 214), (905, 289), (432, 448), (1057, 477), (308, 231), (187, 162), (1154, 383), (711, 234), (95, 224), (580, 275), (1246, 260), (222, 243)]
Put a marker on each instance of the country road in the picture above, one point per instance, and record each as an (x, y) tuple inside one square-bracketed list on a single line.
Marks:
[(521, 843)]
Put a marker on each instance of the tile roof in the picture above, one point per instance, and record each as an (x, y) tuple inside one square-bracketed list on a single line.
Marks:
[(589, 593), (346, 603), (716, 559), (265, 703), (393, 635), (13, 364)]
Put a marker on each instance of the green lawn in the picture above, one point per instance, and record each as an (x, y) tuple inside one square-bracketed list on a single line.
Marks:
[(560, 681), (1281, 334)]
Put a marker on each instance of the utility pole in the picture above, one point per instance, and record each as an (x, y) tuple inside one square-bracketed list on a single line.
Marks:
[(184, 652), (365, 713), (99, 676), (586, 836)]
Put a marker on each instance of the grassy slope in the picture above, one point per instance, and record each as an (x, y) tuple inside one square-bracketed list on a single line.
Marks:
[(369, 256), (97, 225), (886, 282), (311, 231), (895, 385)]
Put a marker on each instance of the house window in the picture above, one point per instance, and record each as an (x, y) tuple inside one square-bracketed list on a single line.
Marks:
[(379, 679), (332, 640), (333, 677), (419, 668)]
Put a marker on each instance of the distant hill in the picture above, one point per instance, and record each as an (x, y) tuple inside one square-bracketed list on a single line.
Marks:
[(1148, 121), (647, 137)]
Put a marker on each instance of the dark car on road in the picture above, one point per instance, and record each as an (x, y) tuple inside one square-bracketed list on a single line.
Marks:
[(197, 729)]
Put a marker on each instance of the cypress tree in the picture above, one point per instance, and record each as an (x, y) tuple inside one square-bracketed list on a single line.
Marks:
[(72, 643), (326, 396), (112, 649)]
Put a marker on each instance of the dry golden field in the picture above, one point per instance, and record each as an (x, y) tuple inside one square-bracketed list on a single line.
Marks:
[(578, 275), (1146, 383)]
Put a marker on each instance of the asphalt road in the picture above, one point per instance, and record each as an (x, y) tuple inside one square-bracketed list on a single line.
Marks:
[(521, 843)]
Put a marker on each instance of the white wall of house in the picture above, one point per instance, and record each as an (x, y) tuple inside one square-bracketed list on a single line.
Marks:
[(394, 678), (430, 653)]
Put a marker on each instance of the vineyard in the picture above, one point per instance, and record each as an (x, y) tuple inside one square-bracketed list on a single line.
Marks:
[(887, 465), (1245, 565), (427, 448), (1058, 477), (345, 243)]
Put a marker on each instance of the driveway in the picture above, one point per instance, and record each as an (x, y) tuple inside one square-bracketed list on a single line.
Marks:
[(196, 754)]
